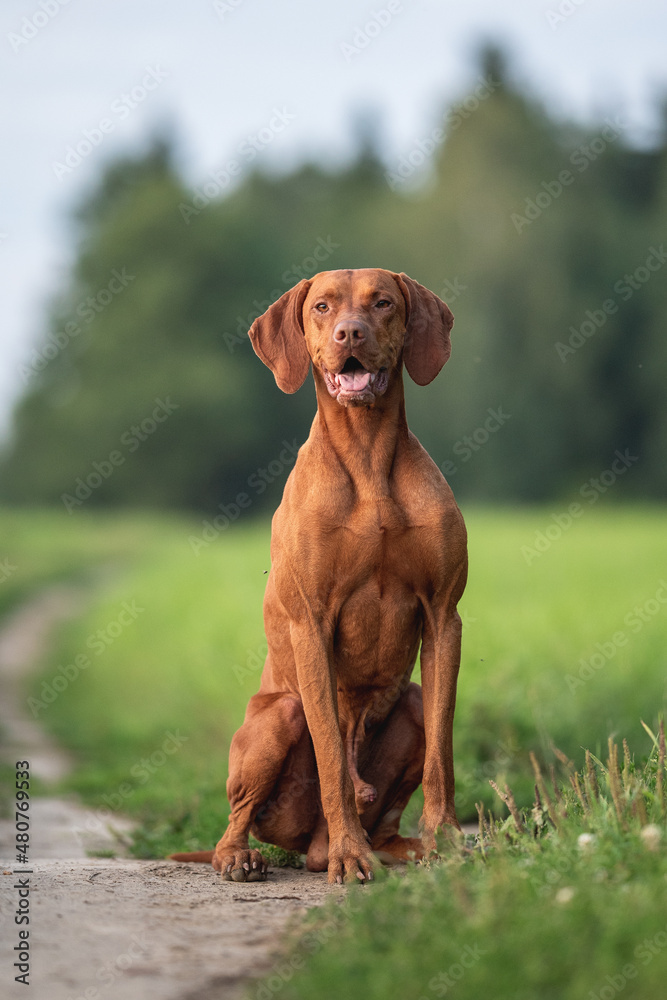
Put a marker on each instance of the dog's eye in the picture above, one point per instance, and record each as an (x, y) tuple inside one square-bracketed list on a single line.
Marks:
[(383, 303), (321, 307)]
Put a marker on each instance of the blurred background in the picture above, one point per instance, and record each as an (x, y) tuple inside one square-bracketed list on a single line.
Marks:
[(168, 175), (168, 172)]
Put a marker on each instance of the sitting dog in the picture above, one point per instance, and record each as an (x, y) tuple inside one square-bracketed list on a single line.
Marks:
[(368, 561)]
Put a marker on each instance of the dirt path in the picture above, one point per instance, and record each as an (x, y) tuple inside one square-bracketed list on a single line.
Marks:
[(139, 930), (119, 928)]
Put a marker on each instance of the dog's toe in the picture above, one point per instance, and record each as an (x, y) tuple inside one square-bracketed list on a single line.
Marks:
[(243, 866)]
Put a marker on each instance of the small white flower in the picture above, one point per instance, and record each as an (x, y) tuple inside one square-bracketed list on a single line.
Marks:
[(652, 835), (565, 895), (585, 841)]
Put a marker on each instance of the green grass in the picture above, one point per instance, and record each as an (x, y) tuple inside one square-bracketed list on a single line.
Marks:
[(570, 908), (174, 646), (42, 547), (530, 626), (189, 659)]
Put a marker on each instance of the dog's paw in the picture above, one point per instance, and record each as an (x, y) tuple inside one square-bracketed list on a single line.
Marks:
[(350, 861), (239, 865)]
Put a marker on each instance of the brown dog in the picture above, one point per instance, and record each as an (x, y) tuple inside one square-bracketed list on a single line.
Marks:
[(369, 560)]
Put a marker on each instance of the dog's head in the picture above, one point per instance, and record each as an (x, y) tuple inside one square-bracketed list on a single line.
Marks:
[(356, 327)]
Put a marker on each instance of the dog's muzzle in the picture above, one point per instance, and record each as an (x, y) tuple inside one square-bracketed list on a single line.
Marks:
[(354, 384)]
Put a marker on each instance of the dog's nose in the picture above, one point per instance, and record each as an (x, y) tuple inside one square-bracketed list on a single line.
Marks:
[(350, 332)]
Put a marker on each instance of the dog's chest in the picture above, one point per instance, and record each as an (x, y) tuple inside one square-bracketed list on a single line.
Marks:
[(377, 543), (377, 632), (378, 624)]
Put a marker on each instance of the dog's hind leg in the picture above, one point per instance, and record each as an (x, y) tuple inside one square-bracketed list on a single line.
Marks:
[(393, 760), (260, 753)]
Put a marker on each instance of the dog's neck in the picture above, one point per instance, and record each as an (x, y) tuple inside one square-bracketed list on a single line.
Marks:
[(364, 438)]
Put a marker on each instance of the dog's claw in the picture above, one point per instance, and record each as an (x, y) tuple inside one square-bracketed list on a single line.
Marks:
[(234, 865)]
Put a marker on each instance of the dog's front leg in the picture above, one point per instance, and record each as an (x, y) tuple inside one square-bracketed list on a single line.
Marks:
[(349, 855), (440, 660)]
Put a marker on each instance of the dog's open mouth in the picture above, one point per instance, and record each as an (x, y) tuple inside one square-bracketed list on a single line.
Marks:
[(353, 377), (354, 383)]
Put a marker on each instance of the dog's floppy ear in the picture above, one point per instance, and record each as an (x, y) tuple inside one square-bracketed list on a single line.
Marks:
[(278, 338), (427, 324)]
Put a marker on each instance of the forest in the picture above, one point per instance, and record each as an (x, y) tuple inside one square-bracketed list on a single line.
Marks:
[(545, 239)]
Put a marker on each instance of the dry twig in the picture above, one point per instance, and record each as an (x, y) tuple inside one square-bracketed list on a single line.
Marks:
[(509, 801), (553, 816)]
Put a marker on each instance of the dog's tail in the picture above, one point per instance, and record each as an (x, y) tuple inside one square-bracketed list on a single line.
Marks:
[(202, 856)]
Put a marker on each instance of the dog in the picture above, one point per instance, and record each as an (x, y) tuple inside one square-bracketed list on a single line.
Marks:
[(368, 563)]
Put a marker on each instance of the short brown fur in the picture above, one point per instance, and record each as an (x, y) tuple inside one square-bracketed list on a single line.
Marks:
[(369, 560)]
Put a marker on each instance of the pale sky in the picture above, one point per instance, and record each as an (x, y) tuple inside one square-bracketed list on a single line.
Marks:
[(218, 71)]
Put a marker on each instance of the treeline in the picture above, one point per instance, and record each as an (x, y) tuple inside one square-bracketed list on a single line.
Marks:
[(545, 240)]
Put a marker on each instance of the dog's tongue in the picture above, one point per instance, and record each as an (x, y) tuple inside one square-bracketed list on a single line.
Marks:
[(354, 381)]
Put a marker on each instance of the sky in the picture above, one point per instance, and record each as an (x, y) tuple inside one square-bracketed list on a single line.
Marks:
[(285, 80)]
